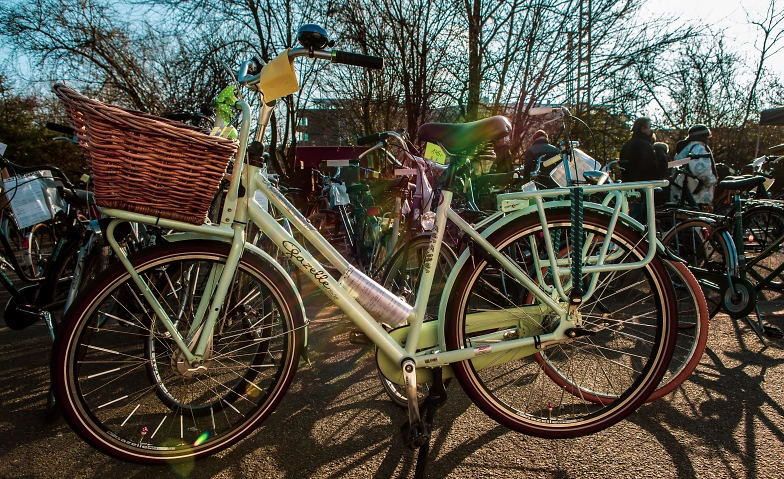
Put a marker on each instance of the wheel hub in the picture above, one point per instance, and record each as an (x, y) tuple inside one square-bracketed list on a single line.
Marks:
[(181, 366)]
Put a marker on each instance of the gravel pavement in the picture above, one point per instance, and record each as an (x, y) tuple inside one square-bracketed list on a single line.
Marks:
[(726, 421)]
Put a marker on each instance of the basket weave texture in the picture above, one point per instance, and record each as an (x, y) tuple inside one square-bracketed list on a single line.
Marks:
[(145, 164)]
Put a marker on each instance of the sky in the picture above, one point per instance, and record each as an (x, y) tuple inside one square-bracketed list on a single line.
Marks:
[(725, 14)]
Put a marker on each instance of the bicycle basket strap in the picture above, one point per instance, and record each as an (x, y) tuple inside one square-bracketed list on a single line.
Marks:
[(146, 164)]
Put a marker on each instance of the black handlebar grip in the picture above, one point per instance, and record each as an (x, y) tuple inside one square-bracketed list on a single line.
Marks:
[(356, 59), (60, 128), (368, 140), (180, 116)]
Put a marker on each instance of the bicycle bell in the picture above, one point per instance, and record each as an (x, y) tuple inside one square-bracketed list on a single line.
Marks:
[(313, 36)]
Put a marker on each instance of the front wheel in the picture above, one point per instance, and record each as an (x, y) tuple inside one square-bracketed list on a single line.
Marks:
[(118, 374), (631, 315), (40, 246)]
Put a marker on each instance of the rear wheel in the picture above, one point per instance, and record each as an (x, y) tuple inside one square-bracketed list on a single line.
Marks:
[(631, 313), (690, 345), (703, 246), (120, 378), (763, 227)]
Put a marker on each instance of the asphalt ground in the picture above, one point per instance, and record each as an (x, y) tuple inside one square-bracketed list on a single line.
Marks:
[(727, 421)]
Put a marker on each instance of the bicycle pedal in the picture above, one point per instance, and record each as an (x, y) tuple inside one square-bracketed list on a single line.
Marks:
[(357, 337), (772, 332), (415, 436)]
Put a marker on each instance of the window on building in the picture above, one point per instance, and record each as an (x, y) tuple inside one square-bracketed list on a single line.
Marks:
[(303, 121), (302, 136)]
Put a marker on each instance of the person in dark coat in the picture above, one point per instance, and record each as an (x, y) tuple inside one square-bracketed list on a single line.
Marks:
[(637, 156), (639, 161), (540, 148), (661, 152)]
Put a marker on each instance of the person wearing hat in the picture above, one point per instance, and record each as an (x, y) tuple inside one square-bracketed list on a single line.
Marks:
[(540, 149), (701, 166)]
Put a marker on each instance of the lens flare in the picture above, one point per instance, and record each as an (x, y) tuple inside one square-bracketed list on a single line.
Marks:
[(203, 438)]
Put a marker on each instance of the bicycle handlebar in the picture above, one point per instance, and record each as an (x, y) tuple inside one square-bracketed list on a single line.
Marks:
[(247, 78), (357, 59), (60, 128), (370, 139), (184, 116), (4, 163)]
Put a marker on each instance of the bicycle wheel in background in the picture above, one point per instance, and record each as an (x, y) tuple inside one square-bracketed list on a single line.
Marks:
[(402, 278), (119, 377), (693, 321), (632, 317), (763, 227), (330, 224), (16, 239), (40, 246), (702, 246)]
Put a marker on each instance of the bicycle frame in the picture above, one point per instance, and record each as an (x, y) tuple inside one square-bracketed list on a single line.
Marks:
[(237, 211)]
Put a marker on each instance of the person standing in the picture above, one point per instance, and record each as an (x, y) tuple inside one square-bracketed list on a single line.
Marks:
[(661, 152), (701, 165), (637, 156), (540, 150), (639, 162)]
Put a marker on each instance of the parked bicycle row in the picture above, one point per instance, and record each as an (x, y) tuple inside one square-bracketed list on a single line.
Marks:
[(559, 311)]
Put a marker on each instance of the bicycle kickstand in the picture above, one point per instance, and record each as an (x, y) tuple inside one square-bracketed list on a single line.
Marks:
[(761, 328)]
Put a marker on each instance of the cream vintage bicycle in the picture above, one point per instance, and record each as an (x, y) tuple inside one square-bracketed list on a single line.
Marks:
[(184, 348)]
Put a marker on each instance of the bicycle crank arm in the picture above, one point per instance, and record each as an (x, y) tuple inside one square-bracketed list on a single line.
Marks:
[(415, 432)]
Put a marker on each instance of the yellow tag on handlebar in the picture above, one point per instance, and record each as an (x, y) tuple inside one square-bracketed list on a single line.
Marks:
[(435, 153), (278, 79)]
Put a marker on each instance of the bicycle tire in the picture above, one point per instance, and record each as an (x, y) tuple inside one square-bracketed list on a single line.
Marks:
[(113, 406), (40, 246), (701, 245), (330, 225), (58, 280), (693, 321), (402, 278), (762, 227), (16, 239), (637, 345), (691, 339)]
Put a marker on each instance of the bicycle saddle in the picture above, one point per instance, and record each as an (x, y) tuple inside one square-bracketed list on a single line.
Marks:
[(459, 137), (741, 183)]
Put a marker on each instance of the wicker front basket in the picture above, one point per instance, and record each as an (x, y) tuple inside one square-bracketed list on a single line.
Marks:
[(146, 164)]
